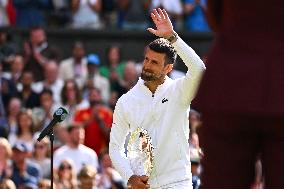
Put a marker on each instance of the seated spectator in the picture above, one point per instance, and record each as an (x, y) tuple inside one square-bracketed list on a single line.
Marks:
[(23, 170), (41, 157), (45, 184), (108, 177), (16, 71), (51, 81), (114, 67), (28, 96), (8, 48), (71, 98), (25, 130), (86, 13), (43, 115), (14, 108), (65, 175), (95, 79), (75, 67), (195, 19), (75, 150), (128, 80), (7, 184), (87, 177), (5, 155)]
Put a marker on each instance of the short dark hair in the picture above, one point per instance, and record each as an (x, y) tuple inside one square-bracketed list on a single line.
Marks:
[(162, 45)]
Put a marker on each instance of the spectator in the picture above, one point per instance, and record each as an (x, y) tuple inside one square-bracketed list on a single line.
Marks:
[(108, 177), (128, 80), (23, 170), (7, 90), (28, 96), (66, 176), (97, 120), (14, 108), (4, 21), (30, 13), (41, 157), (86, 13), (109, 13), (7, 48), (95, 79), (17, 67), (5, 155), (42, 116), (37, 52), (25, 130), (195, 19), (114, 67), (61, 14), (51, 81), (87, 177), (45, 184), (7, 184), (133, 14), (173, 8), (71, 97), (75, 150), (75, 67)]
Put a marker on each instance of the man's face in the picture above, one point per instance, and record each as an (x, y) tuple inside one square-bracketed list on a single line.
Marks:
[(38, 36), (154, 67), (77, 136)]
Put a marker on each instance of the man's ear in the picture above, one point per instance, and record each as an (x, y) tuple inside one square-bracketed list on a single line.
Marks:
[(169, 68)]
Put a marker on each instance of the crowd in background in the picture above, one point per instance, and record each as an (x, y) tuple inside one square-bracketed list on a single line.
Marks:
[(100, 14), (34, 82)]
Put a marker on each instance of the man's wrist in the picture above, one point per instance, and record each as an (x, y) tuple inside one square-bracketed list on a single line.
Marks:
[(173, 37)]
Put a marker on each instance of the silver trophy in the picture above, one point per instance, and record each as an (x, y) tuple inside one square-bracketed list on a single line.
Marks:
[(140, 152)]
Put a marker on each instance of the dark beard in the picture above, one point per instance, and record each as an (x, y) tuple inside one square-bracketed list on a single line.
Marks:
[(146, 77)]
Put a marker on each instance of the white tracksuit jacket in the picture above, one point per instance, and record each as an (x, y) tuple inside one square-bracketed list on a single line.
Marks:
[(165, 120)]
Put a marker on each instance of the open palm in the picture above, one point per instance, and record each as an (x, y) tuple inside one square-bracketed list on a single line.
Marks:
[(162, 22)]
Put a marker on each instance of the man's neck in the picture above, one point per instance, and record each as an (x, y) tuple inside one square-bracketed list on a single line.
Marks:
[(153, 85)]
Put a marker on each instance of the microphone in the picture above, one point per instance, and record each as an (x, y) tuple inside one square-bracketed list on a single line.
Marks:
[(58, 116)]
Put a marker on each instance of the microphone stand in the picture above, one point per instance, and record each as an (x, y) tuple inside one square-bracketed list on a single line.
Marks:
[(51, 138)]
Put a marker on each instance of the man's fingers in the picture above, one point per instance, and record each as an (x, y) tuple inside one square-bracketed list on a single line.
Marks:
[(161, 13), (155, 12), (165, 14)]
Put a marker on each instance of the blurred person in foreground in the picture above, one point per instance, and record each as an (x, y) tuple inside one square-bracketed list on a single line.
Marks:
[(241, 95), (159, 105)]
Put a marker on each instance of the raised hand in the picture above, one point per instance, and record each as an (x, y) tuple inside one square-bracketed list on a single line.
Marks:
[(162, 22)]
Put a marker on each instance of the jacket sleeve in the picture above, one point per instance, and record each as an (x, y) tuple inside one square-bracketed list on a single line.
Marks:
[(119, 131), (188, 85)]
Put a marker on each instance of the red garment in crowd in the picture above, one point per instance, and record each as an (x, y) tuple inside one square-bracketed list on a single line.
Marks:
[(11, 12), (94, 136)]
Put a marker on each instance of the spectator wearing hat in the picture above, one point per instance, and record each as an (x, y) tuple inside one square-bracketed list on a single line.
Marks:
[(23, 170), (95, 79), (87, 177), (75, 150)]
